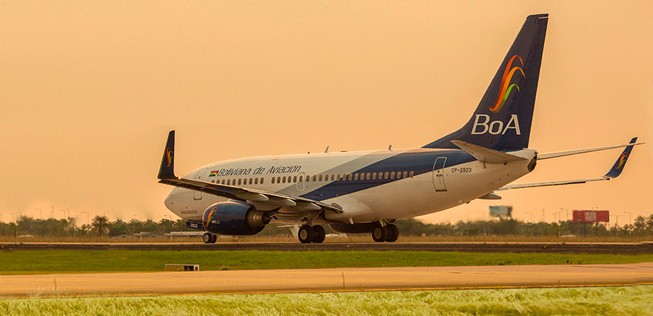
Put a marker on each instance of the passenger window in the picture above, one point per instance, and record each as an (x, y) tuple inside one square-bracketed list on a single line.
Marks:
[(355, 176), (319, 178), (308, 178), (392, 175), (262, 180), (239, 181), (412, 174), (272, 180), (405, 174), (255, 180), (386, 175), (314, 178), (399, 175), (294, 179), (367, 176), (373, 175)]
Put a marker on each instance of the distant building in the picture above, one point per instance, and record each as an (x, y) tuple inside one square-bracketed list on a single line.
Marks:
[(501, 211)]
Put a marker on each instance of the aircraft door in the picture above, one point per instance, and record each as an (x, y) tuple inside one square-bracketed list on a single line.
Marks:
[(301, 182), (197, 195), (438, 174)]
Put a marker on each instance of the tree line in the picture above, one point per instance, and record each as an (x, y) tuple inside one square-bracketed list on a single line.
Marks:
[(101, 226)]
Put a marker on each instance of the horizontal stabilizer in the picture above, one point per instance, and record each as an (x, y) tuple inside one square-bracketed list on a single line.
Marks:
[(490, 196), (486, 155)]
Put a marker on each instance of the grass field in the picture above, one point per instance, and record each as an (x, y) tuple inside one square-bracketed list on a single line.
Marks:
[(72, 261), (566, 301)]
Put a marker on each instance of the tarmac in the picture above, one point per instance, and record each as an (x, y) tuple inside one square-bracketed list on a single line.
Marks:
[(324, 280), (523, 247)]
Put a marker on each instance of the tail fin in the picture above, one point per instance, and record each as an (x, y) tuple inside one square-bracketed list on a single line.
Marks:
[(502, 120), (167, 169)]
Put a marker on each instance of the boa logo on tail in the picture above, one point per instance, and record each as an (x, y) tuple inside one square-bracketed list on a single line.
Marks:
[(483, 123), (506, 88)]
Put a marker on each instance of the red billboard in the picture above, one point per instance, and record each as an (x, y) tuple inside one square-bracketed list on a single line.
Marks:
[(587, 216)]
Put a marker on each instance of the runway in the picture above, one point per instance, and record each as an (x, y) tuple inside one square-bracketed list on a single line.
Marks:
[(530, 247), (324, 280)]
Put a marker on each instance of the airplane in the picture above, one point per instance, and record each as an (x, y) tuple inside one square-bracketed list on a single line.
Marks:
[(367, 191)]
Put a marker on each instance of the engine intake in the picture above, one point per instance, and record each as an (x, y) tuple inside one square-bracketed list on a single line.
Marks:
[(234, 218)]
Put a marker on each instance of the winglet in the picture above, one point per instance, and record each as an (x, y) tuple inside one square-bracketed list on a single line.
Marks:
[(621, 161), (167, 169)]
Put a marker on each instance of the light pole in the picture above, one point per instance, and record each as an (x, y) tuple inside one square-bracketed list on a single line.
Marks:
[(630, 222)]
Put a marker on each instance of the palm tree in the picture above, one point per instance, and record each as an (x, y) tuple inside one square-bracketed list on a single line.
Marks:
[(100, 225)]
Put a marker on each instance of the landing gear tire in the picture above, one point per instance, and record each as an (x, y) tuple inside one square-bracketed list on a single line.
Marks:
[(393, 233), (209, 238), (379, 234), (306, 234), (319, 234)]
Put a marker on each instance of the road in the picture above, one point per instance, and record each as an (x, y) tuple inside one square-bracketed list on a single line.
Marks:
[(321, 280)]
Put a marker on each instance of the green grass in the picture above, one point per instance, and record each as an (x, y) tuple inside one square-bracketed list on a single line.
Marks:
[(634, 300), (69, 261)]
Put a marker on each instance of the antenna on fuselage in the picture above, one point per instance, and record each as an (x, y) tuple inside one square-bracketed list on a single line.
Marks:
[(390, 147), (326, 150)]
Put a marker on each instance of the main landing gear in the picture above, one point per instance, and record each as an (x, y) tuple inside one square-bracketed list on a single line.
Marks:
[(388, 233), (311, 234), (209, 238)]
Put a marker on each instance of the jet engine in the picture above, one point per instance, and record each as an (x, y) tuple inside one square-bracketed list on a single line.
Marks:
[(234, 218)]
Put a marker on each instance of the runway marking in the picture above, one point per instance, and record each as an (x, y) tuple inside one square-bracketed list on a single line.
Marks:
[(325, 280)]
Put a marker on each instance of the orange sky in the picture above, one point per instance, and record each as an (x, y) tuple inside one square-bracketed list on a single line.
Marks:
[(89, 89)]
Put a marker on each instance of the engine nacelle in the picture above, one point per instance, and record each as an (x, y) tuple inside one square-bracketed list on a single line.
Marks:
[(234, 218)]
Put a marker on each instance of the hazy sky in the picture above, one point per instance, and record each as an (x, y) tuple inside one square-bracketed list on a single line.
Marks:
[(89, 90)]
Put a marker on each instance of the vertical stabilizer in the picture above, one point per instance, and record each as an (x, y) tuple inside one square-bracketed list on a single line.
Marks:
[(502, 120)]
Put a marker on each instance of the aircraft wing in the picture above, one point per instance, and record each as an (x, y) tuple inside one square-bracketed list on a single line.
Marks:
[(583, 151), (167, 176), (614, 172)]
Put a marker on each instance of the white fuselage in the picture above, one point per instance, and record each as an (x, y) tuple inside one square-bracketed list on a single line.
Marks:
[(368, 186)]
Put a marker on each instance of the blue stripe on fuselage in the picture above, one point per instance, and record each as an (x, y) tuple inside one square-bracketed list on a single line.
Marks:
[(418, 161)]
